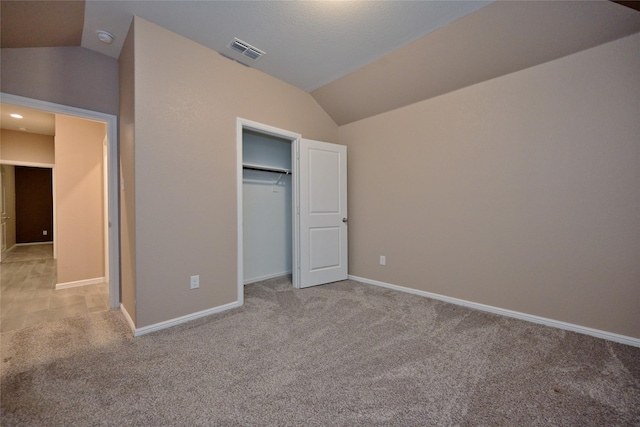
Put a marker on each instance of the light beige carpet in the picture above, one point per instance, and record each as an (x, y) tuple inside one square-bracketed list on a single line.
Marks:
[(339, 354)]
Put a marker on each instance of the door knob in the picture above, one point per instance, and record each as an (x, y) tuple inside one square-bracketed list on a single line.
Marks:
[(344, 220)]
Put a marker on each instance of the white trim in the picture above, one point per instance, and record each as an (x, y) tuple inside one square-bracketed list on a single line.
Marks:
[(240, 254), (623, 339), (183, 319), (266, 129), (114, 204), (33, 244), (28, 164), (242, 124), (54, 214), (295, 212), (77, 283), (105, 204), (267, 277), (128, 319)]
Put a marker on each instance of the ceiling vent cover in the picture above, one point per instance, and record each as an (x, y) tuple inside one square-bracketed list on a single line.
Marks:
[(246, 49)]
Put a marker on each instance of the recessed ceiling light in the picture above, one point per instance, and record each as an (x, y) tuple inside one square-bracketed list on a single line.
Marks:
[(105, 36), (22, 129), (16, 116)]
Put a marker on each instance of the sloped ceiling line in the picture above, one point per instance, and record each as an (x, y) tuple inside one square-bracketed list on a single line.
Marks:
[(398, 52)]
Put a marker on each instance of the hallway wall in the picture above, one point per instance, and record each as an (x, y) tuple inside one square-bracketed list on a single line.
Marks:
[(80, 199)]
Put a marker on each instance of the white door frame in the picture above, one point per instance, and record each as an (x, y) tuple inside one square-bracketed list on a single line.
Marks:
[(112, 155), (3, 218), (244, 124)]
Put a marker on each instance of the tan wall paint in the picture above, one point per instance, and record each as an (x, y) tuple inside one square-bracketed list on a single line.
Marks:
[(18, 146), (10, 203), (72, 76), (127, 174), (521, 192), (79, 198), (187, 98)]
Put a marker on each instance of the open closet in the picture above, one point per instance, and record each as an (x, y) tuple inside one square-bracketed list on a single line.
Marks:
[(267, 190), (292, 207)]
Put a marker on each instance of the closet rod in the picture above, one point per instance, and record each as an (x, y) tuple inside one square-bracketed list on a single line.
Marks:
[(265, 168)]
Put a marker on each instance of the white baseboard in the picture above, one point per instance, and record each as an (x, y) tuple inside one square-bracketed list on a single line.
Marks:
[(267, 277), (128, 319), (77, 283), (5, 253), (34, 243), (178, 320), (635, 342)]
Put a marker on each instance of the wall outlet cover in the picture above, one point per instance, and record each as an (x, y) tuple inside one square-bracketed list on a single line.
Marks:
[(195, 282)]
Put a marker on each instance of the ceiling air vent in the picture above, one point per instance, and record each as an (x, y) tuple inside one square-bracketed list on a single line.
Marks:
[(246, 49)]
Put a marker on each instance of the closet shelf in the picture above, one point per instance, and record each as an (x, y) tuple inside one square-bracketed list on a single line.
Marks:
[(265, 168)]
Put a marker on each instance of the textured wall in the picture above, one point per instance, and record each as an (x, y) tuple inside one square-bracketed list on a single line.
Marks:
[(521, 192), (187, 99), (72, 76), (127, 176), (79, 198), (28, 147)]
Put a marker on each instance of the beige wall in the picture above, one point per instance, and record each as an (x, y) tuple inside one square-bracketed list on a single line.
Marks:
[(9, 179), (79, 198), (18, 146), (187, 98), (521, 192), (72, 76), (127, 174)]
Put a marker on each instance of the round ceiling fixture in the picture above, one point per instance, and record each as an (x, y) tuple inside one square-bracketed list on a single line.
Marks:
[(105, 36), (16, 116)]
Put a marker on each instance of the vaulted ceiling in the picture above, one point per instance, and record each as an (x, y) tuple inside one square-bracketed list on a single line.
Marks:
[(356, 58)]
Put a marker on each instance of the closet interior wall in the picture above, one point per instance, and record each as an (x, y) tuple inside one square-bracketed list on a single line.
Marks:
[(267, 207)]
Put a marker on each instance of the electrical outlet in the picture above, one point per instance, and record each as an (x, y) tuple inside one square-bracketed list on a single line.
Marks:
[(195, 282), (45, 232), (383, 260)]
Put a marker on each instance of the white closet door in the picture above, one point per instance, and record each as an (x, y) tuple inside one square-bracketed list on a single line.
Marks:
[(323, 212)]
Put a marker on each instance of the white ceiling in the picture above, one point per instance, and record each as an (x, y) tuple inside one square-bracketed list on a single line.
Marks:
[(307, 43)]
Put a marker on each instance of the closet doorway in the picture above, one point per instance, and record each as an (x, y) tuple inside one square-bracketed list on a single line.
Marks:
[(267, 206), (292, 207)]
